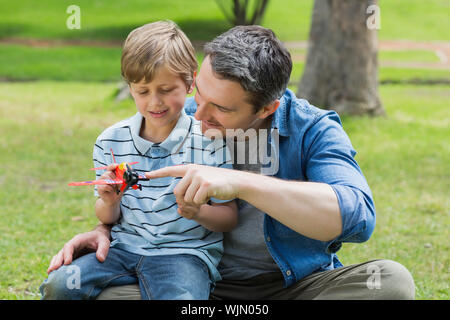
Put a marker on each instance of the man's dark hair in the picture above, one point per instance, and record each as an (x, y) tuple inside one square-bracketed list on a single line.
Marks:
[(254, 57)]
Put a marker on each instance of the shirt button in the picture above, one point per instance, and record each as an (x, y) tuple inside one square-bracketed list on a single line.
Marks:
[(268, 239), (288, 273)]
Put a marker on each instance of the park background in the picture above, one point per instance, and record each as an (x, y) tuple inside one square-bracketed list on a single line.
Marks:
[(58, 89)]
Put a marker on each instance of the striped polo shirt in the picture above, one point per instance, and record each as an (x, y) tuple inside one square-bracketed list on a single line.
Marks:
[(149, 223)]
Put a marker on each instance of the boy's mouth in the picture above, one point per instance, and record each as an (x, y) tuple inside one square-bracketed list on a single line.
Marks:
[(158, 114)]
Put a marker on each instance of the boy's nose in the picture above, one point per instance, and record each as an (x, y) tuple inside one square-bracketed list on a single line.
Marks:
[(155, 101)]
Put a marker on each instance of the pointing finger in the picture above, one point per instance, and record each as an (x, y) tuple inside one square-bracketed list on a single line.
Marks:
[(172, 171)]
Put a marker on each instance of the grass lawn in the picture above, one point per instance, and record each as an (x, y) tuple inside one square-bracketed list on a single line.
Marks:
[(406, 160), (48, 130), (74, 63), (48, 127), (80, 63), (202, 20)]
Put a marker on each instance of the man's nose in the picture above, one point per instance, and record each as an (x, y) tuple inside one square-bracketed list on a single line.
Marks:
[(202, 112)]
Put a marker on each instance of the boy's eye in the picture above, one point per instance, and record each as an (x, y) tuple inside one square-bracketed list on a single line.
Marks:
[(143, 93), (165, 90)]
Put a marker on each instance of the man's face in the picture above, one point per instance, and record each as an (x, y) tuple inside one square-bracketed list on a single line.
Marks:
[(222, 104)]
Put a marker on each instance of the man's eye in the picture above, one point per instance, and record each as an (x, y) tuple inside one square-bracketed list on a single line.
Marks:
[(223, 109)]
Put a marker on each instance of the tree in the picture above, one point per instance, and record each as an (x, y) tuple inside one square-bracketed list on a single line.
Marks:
[(238, 12), (243, 12), (341, 65)]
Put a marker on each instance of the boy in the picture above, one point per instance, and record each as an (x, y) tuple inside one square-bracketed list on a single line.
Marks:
[(171, 251)]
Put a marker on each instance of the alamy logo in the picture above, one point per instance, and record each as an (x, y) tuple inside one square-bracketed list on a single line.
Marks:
[(373, 22), (266, 155), (74, 20), (74, 280), (374, 280)]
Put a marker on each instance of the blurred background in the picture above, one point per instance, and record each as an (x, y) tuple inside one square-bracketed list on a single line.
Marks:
[(384, 67)]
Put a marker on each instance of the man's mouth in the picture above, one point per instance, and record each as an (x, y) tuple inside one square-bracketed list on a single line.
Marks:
[(210, 124)]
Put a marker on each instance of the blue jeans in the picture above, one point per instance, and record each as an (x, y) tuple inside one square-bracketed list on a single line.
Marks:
[(177, 277)]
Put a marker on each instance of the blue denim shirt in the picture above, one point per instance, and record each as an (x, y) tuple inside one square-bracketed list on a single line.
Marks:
[(314, 147)]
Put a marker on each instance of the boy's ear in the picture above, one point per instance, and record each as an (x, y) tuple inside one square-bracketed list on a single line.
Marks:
[(191, 88), (131, 90)]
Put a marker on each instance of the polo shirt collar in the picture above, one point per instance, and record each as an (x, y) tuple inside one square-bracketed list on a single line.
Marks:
[(171, 144), (178, 134)]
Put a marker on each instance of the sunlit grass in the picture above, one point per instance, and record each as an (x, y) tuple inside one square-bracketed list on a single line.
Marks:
[(48, 130), (202, 20)]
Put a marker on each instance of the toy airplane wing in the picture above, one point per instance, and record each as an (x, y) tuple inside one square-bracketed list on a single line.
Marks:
[(96, 182), (104, 168)]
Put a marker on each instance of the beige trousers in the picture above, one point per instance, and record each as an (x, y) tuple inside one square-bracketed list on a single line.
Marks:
[(378, 279)]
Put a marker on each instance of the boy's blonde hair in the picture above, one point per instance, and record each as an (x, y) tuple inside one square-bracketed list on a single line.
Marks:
[(157, 44)]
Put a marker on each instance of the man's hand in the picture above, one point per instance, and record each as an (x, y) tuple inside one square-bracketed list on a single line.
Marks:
[(199, 183), (95, 240), (108, 193)]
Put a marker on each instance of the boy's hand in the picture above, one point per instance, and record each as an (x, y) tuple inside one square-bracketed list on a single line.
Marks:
[(188, 210), (108, 193)]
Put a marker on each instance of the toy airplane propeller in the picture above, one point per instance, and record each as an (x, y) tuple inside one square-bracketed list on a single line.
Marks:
[(125, 176)]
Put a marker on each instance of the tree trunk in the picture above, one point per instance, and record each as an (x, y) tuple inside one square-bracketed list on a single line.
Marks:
[(341, 65), (243, 12), (240, 13)]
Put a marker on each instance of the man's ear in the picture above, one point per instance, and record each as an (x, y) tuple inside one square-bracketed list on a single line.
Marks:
[(268, 109)]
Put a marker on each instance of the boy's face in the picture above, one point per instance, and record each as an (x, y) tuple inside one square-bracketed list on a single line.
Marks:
[(160, 101)]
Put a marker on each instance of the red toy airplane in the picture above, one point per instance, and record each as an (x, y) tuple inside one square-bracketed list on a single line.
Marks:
[(125, 176)]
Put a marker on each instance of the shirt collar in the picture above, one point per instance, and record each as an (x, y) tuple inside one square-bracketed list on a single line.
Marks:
[(171, 144), (280, 116), (178, 134)]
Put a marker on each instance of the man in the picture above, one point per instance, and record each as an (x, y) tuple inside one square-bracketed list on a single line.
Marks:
[(294, 216)]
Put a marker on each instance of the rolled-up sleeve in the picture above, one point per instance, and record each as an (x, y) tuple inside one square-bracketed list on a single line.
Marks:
[(329, 158)]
